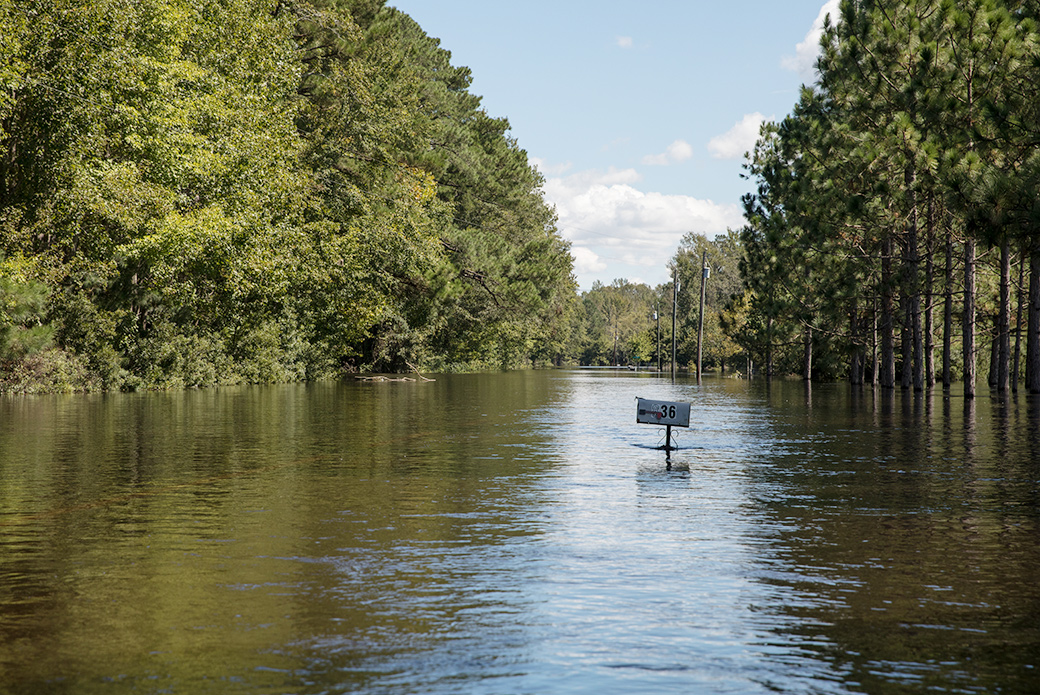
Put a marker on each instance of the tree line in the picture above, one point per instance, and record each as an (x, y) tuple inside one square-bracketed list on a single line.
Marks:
[(631, 324), (892, 235), (226, 192), (230, 191)]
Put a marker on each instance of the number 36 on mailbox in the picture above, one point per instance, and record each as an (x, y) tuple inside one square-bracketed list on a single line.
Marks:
[(650, 412)]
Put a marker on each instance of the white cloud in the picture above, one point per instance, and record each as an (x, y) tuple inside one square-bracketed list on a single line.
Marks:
[(603, 214), (737, 140), (624, 41), (804, 60), (586, 261), (594, 177), (678, 151), (619, 231)]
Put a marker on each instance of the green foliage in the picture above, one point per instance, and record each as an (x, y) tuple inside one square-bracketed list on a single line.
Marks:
[(23, 305), (614, 324), (919, 130), (222, 192), (498, 287)]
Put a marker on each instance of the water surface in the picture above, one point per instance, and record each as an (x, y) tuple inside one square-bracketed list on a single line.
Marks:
[(519, 533)]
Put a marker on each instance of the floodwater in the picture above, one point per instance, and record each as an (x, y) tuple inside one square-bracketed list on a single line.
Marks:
[(519, 533)]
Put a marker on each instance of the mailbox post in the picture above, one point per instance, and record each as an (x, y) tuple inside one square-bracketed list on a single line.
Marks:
[(668, 413)]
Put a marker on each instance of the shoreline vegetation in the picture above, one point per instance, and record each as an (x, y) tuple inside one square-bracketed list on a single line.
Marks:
[(197, 194)]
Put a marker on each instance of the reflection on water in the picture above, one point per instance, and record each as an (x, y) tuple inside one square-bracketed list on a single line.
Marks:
[(908, 528), (519, 533)]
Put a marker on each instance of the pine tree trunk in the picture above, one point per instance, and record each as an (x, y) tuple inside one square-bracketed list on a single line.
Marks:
[(968, 336), (994, 355), (918, 335), (905, 345), (913, 363), (769, 348), (887, 378), (856, 356), (1033, 325), (1015, 362), (929, 298), (874, 366), (1004, 321), (807, 355), (947, 377)]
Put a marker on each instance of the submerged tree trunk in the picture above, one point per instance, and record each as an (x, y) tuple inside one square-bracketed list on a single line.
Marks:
[(968, 337)]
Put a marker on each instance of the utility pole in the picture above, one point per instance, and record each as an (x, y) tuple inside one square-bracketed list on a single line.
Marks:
[(675, 304), (705, 272), (657, 317)]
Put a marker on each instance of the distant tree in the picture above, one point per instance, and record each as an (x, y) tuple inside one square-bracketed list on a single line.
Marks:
[(619, 315), (723, 257)]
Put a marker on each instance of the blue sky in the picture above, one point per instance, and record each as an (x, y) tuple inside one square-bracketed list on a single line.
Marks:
[(637, 114)]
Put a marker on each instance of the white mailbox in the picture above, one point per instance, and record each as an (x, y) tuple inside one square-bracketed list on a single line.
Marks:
[(668, 413)]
